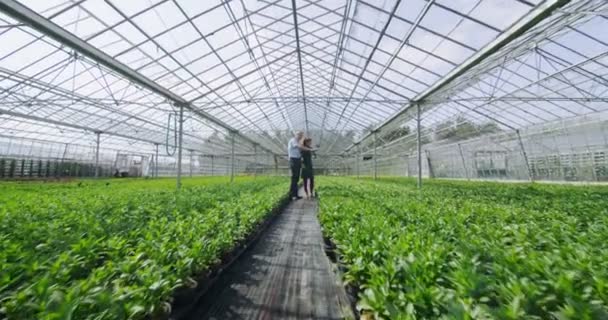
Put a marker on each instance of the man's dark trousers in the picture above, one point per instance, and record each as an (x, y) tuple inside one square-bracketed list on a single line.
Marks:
[(295, 164)]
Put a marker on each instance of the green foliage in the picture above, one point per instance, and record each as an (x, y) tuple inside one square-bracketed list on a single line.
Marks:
[(461, 250), (118, 249)]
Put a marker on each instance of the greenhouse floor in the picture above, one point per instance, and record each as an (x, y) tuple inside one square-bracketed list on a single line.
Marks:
[(285, 275)]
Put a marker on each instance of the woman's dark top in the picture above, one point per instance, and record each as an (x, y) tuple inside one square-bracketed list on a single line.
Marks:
[(306, 164)]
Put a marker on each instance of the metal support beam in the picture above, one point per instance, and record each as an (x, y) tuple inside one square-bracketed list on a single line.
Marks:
[(357, 157), (232, 157), (368, 60), (156, 162), (179, 146), (70, 125), (419, 145), (525, 155), (293, 99), (62, 95), (236, 154), (27, 16), (98, 134), (464, 164), (375, 156), (295, 23), (212, 165), (191, 161), (65, 152), (255, 161)]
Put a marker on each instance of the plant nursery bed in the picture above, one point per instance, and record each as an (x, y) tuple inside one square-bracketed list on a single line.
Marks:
[(186, 298)]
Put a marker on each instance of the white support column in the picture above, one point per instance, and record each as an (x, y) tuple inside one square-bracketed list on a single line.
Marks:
[(179, 146), (232, 157), (525, 155), (357, 157), (375, 154), (97, 154), (212, 167), (156, 162), (419, 144), (191, 161), (464, 164), (255, 161), (65, 152)]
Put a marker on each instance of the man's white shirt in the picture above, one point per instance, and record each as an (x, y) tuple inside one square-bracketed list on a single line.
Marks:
[(293, 148)]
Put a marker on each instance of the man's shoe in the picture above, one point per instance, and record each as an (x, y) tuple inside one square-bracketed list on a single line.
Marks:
[(296, 198)]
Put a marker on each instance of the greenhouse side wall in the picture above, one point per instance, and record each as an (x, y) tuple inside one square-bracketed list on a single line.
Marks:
[(22, 158), (568, 150), (32, 159)]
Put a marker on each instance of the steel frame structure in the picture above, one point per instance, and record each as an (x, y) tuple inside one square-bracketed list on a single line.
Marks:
[(347, 72)]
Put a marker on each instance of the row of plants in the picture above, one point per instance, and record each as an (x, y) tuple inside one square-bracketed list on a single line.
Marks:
[(118, 250), (465, 250)]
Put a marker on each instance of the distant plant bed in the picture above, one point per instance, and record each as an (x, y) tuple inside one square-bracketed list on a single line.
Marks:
[(461, 250), (105, 250)]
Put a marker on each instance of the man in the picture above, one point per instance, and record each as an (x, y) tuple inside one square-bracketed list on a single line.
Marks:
[(295, 162)]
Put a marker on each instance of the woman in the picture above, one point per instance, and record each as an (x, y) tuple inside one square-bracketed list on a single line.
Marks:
[(307, 173)]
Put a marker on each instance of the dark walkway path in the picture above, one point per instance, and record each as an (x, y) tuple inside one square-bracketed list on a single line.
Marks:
[(285, 275)]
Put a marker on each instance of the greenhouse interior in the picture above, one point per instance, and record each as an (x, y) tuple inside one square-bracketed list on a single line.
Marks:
[(156, 159)]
